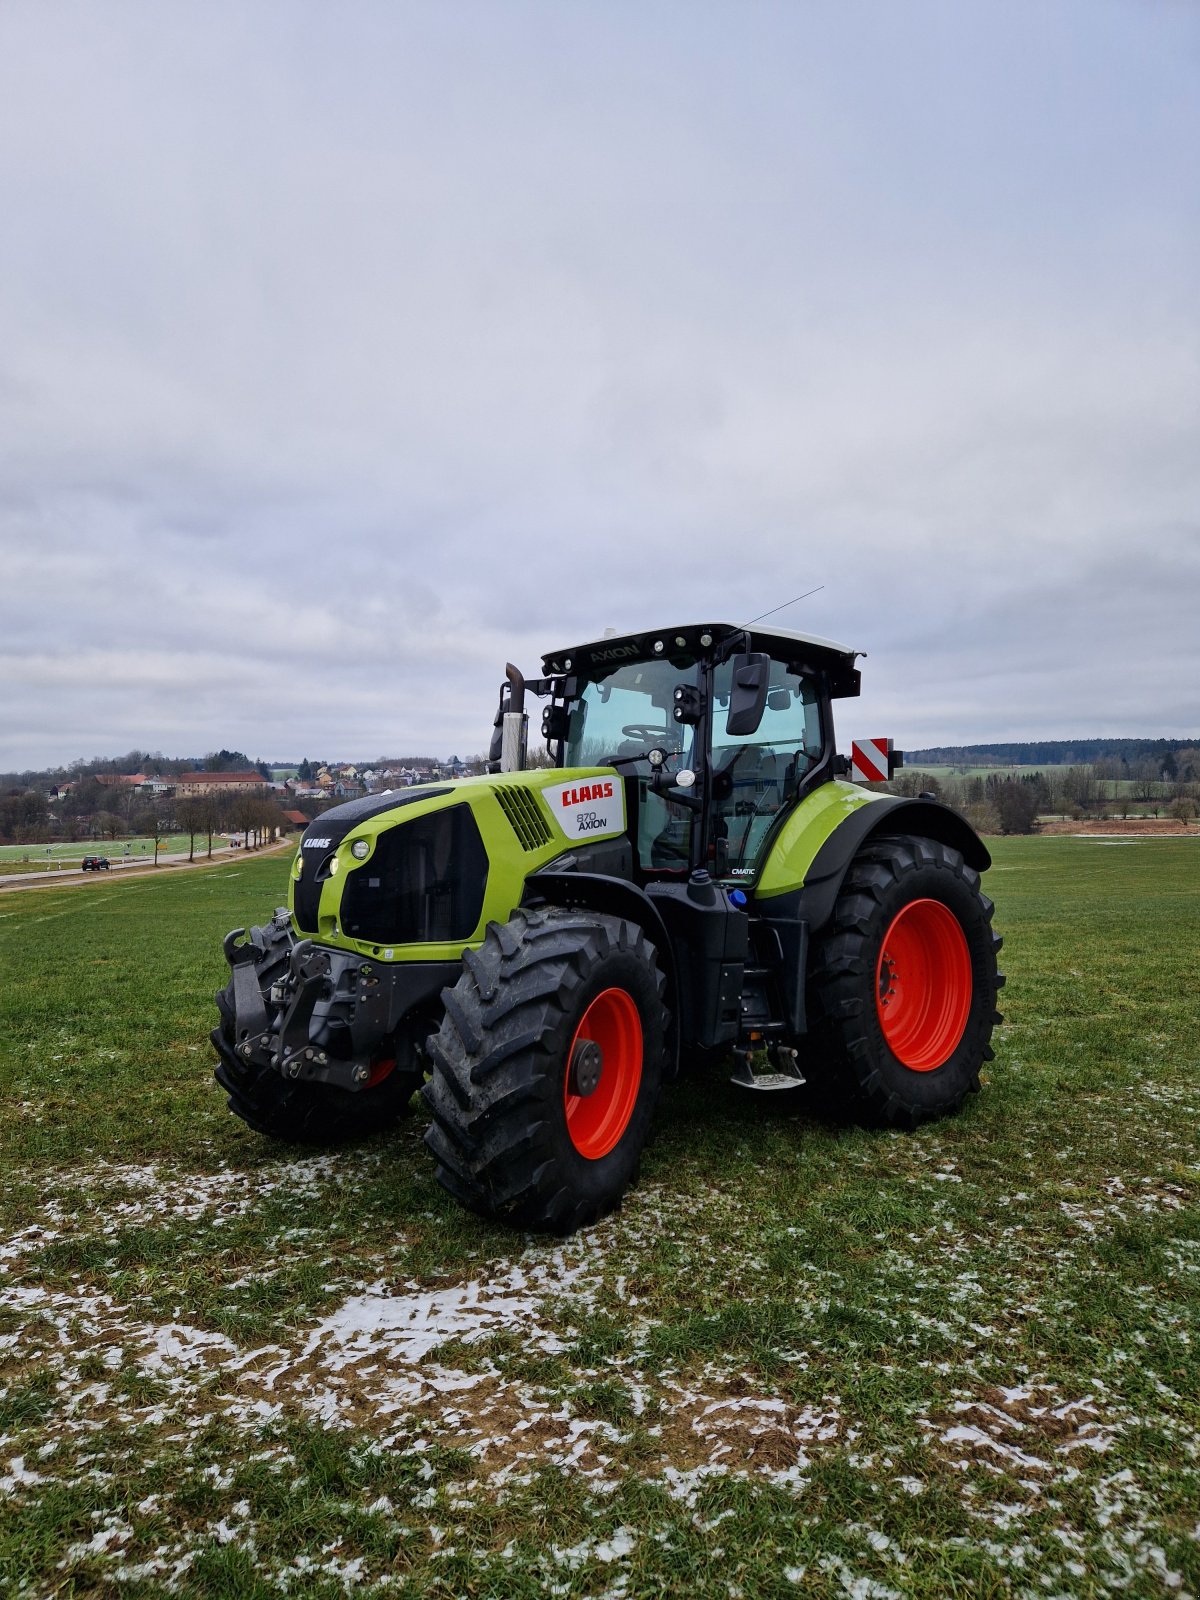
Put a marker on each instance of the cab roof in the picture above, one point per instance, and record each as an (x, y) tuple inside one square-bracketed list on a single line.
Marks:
[(702, 638)]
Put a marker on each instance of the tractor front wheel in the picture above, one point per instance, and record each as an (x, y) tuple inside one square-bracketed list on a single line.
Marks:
[(904, 984), (547, 1067)]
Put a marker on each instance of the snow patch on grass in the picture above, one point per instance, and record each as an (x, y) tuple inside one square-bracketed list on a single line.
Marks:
[(406, 1327)]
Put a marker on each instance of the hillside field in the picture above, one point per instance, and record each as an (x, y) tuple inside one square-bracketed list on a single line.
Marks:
[(1114, 789), (975, 772), (66, 855), (803, 1359)]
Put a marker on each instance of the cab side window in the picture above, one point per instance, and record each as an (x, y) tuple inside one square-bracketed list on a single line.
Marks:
[(756, 774)]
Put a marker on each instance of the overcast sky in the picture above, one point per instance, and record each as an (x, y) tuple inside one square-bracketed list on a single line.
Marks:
[(348, 351)]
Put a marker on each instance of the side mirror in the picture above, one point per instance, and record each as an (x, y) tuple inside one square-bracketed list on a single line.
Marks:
[(751, 680)]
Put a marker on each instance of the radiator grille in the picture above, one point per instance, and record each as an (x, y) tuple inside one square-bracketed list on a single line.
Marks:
[(525, 814), (424, 882)]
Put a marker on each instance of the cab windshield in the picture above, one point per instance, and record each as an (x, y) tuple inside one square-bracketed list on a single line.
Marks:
[(623, 716), (628, 712)]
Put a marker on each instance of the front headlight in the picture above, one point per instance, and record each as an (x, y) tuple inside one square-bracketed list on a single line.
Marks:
[(360, 849)]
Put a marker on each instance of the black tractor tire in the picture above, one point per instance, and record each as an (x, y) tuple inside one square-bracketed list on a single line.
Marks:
[(510, 1138), (305, 1113), (903, 984)]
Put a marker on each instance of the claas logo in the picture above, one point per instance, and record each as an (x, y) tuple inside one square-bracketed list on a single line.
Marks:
[(587, 791)]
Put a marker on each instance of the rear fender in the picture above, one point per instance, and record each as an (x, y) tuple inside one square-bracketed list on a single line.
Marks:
[(813, 900)]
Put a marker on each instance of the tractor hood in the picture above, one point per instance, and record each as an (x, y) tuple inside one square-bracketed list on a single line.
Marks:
[(417, 875)]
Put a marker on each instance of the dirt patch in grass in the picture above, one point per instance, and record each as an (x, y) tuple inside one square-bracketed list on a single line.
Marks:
[(1023, 1426)]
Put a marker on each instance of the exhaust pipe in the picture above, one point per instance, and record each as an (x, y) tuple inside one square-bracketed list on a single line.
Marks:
[(515, 731)]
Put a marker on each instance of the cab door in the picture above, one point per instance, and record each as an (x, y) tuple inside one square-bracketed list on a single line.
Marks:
[(757, 776)]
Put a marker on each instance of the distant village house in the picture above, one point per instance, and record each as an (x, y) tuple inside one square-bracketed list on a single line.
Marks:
[(188, 784)]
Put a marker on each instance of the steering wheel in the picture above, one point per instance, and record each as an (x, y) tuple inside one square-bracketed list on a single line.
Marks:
[(643, 730)]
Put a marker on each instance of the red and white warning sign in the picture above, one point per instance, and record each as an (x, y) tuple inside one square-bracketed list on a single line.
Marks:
[(871, 760)]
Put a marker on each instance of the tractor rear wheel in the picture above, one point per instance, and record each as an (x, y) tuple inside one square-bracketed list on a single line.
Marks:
[(903, 987), (547, 1067), (306, 1113)]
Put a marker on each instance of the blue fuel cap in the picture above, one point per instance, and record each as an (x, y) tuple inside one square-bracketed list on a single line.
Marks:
[(736, 897)]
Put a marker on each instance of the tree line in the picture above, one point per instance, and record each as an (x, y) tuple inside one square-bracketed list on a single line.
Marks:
[(1013, 802), (98, 811), (1168, 754), (153, 763)]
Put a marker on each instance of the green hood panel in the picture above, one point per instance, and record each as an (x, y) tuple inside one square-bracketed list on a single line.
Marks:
[(525, 819), (814, 820)]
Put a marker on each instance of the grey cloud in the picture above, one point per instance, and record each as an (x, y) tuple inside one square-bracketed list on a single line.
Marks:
[(345, 360)]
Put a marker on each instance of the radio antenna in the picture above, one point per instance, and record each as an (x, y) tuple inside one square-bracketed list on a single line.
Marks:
[(783, 607)]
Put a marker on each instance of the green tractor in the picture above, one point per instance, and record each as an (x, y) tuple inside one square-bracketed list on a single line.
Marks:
[(538, 950)]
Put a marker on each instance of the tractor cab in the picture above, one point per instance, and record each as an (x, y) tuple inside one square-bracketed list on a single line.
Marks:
[(717, 731)]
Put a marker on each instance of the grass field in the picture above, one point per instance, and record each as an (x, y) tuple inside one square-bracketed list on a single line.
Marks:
[(26, 858), (802, 1360), (1117, 793), (975, 772)]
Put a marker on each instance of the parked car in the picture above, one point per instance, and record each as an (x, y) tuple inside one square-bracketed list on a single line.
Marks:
[(95, 863)]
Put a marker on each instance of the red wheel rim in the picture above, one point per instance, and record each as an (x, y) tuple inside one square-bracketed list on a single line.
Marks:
[(923, 985), (595, 1122), (379, 1071)]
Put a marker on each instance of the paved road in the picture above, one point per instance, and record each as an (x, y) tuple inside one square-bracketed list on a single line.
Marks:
[(128, 866)]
